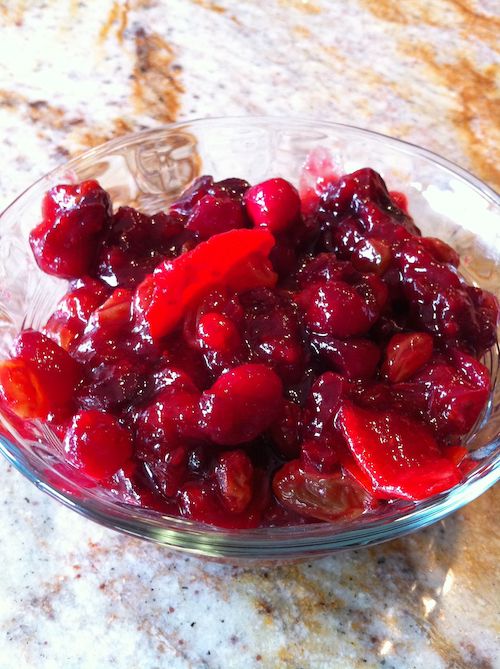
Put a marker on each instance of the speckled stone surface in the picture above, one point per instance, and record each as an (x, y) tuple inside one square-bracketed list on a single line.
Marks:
[(72, 74)]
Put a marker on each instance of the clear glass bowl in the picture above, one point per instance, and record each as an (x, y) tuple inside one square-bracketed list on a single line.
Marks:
[(148, 170)]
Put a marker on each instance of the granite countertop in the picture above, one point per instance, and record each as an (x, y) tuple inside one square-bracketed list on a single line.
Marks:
[(73, 74)]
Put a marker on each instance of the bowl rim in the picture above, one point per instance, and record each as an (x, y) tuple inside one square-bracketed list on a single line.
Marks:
[(207, 540), (405, 146)]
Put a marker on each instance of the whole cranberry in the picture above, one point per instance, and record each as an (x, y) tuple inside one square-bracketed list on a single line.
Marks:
[(212, 215), (273, 204), (336, 309), (97, 444), (241, 404)]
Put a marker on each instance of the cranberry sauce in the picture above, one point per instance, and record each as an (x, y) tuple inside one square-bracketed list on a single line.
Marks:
[(255, 356)]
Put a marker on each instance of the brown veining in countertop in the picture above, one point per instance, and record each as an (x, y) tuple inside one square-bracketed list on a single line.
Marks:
[(305, 6), (40, 112), (156, 81), (455, 14), (212, 6), (119, 16), (476, 110)]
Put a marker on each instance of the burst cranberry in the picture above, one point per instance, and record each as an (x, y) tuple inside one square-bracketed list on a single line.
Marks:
[(97, 444), (371, 255), (364, 193), (234, 475), (273, 204), (405, 354), (453, 392), (205, 185), (325, 267), (185, 204), (286, 432), (200, 500), (74, 219), (68, 321), (400, 200), (320, 455), (241, 404), (112, 384), (217, 332), (323, 403), (273, 332), (167, 467), (135, 244), (441, 251), (354, 358), (41, 379)]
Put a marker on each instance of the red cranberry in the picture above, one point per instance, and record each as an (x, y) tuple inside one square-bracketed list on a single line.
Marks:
[(273, 333), (405, 354), (41, 379), (354, 358), (97, 444), (164, 423), (286, 432), (273, 204), (218, 333), (68, 321), (135, 244), (241, 404), (323, 403), (320, 455), (212, 215), (336, 309), (234, 475), (74, 220)]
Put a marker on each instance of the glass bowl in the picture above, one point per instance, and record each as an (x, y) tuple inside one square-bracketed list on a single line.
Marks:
[(148, 170)]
